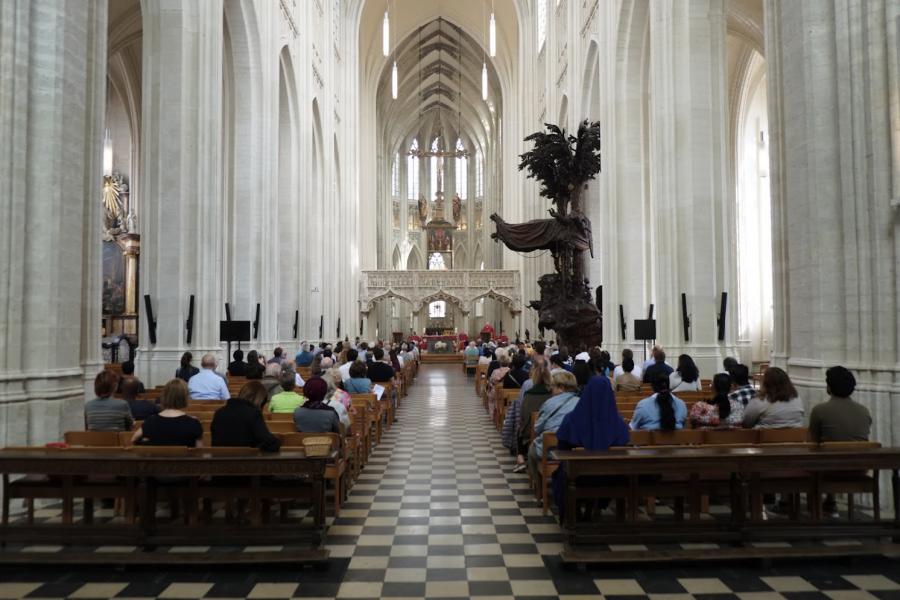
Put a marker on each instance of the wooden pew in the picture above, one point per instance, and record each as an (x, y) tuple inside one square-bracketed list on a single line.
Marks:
[(745, 471), (335, 469), (261, 478), (481, 380)]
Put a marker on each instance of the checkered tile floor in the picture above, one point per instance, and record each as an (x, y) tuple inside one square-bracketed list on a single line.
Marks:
[(437, 514)]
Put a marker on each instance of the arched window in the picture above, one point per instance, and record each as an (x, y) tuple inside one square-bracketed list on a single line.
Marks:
[(395, 176), (436, 262), (462, 171), (412, 172), (479, 174), (435, 176), (541, 23), (437, 309)]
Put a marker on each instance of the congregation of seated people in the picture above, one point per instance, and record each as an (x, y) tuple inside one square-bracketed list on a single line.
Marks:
[(319, 404), (576, 399)]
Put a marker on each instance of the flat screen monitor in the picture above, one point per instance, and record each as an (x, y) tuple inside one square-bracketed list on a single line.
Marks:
[(645, 329), (234, 331)]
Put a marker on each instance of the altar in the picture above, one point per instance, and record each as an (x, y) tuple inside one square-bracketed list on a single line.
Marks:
[(448, 340)]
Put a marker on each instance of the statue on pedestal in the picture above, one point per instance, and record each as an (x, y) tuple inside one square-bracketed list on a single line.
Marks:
[(563, 164), (423, 210), (457, 209)]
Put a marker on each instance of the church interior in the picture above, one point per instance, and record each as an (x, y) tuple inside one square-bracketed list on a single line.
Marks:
[(463, 202)]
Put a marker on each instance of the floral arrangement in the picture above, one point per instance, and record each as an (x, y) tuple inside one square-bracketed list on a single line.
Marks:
[(440, 346)]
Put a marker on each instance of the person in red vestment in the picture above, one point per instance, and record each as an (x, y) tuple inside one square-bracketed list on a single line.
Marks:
[(503, 339), (488, 328)]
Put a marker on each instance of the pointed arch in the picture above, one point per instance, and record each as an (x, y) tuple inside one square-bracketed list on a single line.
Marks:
[(460, 257), (395, 258), (314, 258), (243, 73), (478, 258), (414, 261), (441, 295), (288, 223), (591, 108)]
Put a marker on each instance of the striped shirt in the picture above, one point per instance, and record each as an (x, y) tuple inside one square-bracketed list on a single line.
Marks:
[(107, 414)]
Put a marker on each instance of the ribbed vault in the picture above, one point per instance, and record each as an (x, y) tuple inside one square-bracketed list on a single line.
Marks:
[(439, 89)]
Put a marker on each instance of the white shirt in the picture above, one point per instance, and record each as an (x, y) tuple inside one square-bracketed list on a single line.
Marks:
[(345, 370), (637, 371), (341, 411), (676, 384)]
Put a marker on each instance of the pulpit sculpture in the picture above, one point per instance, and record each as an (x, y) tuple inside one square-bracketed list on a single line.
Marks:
[(563, 164)]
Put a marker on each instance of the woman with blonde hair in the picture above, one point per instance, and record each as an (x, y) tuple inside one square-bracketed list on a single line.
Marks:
[(171, 426)]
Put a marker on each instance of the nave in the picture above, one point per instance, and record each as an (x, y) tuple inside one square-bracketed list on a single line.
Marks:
[(437, 513)]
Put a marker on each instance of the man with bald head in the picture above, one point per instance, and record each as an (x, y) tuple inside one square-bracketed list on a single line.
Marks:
[(207, 384)]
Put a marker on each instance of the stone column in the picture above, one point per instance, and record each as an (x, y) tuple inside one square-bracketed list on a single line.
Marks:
[(131, 248), (181, 185), (688, 174), (834, 114), (52, 102)]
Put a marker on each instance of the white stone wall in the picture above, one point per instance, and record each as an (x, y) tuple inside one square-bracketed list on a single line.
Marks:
[(834, 113), (245, 202), (52, 97)]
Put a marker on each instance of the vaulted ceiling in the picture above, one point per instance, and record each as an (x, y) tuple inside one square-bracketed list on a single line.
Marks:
[(439, 89)]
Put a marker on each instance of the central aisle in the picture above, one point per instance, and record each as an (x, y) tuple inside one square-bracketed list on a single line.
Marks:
[(437, 512)]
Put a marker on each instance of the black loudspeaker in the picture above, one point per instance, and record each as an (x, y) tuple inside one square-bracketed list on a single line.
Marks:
[(622, 323), (189, 325), (256, 323), (360, 327), (599, 301), (321, 326), (338, 336), (650, 314), (296, 322), (685, 319), (151, 320), (227, 312), (645, 329), (720, 321)]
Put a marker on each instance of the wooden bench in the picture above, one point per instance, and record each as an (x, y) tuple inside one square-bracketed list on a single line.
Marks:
[(197, 473), (742, 472), (335, 469), (481, 380)]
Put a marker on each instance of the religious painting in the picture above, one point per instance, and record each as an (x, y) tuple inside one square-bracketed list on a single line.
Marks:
[(113, 279), (439, 240)]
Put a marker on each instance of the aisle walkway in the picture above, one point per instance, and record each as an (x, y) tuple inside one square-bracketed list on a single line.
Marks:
[(437, 514)]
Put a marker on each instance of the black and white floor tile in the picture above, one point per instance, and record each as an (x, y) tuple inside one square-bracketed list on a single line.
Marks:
[(438, 514)]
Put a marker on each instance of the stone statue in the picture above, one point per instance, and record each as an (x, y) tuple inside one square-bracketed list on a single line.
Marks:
[(423, 211), (563, 164), (457, 208)]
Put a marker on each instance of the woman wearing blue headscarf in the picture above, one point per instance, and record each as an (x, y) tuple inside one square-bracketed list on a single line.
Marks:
[(594, 424)]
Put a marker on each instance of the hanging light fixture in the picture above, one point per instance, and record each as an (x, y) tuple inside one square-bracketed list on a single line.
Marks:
[(394, 81), (386, 34), (492, 34), (484, 90)]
